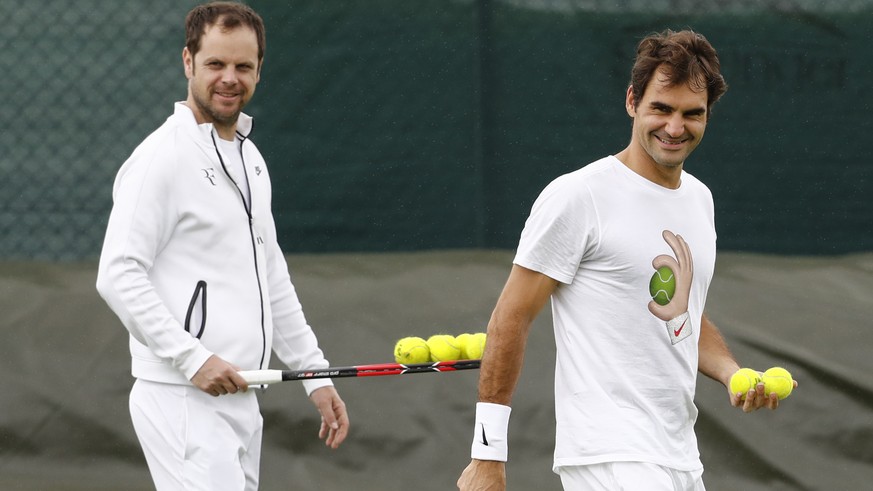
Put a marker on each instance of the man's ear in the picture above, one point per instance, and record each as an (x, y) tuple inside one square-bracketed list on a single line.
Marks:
[(188, 62), (629, 105)]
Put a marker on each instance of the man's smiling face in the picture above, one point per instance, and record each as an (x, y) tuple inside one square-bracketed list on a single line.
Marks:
[(669, 123), (222, 75)]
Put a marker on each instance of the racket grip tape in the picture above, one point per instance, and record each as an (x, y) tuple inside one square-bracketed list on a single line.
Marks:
[(261, 377)]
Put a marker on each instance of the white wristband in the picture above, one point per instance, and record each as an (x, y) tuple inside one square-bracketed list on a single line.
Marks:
[(679, 328), (490, 432)]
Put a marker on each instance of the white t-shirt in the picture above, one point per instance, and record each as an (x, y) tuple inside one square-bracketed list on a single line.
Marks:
[(230, 152), (623, 390)]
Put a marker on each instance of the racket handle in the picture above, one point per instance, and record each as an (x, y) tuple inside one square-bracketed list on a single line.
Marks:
[(261, 377)]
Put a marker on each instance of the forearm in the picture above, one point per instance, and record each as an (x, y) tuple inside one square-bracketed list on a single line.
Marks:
[(520, 302), (501, 368), (503, 357), (294, 341), (523, 297), (715, 359)]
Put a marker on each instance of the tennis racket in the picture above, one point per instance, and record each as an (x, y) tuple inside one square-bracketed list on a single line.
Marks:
[(266, 377)]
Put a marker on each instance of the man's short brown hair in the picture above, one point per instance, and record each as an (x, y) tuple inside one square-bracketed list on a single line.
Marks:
[(229, 16), (683, 57)]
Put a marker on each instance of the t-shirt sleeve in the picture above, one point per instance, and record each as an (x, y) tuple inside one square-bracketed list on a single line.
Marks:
[(559, 232)]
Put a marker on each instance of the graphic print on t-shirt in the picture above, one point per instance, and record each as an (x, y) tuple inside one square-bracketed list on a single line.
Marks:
[(673, 275)]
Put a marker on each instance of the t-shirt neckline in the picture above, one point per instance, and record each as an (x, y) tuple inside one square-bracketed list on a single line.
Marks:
[(642, 181)]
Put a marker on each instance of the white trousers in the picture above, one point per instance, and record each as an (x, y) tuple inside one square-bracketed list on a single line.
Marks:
[(193, 441), (629, 476)]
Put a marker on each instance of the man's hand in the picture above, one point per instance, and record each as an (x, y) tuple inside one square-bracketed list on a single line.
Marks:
[(217, 377), (683, 270), (483, 475), (756, 399), (334, 419)]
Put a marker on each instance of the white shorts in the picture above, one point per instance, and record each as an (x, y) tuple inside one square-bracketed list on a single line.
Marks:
[(629, 476), (193, 441)]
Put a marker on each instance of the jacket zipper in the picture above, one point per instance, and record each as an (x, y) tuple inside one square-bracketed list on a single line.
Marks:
[(255, 239)]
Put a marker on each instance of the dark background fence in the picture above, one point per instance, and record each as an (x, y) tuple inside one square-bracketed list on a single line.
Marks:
[(433, 124), (397, 125)]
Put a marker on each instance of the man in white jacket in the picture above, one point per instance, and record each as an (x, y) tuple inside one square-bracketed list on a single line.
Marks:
[(192, 267)]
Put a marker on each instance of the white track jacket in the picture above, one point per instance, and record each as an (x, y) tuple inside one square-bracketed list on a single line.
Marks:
[(190, 269)]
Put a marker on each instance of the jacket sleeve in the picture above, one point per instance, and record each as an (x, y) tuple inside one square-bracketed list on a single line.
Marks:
[(294, 342), (142, 220)]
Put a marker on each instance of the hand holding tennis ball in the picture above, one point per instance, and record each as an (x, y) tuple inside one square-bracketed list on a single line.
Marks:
[(743, 381), (778, 380), (775, 380), (674, 276)]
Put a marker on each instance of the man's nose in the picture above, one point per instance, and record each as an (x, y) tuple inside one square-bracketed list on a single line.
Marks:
[(228, 75), (675, 126)]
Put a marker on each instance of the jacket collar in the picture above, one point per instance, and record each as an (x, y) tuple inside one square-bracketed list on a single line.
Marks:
[(244, 124)]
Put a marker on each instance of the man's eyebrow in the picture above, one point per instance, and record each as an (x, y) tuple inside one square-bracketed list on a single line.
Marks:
[(219, 59), (660, 106)]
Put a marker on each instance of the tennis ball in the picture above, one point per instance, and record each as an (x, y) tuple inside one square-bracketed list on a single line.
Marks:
[(743, 381), (411, 350), (778, 380), (472, 345), (462, 340), (443, 347), (662, 286)]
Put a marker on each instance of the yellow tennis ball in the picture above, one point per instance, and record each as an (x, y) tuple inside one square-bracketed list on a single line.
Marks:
[(743, 381), (443, 347), (778, 380), (462, 340), (411, 350), (473, 346)]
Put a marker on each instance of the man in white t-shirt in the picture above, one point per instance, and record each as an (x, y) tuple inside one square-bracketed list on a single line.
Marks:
[(626, 365)]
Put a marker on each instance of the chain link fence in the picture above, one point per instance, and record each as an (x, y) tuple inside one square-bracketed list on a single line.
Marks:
[(674, 7), (86, 81)]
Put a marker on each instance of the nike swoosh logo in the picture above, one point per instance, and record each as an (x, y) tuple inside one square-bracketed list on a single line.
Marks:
[(676, 332), (484, 439)]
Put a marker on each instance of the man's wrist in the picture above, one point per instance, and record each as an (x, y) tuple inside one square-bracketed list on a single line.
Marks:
[(490, 440)]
